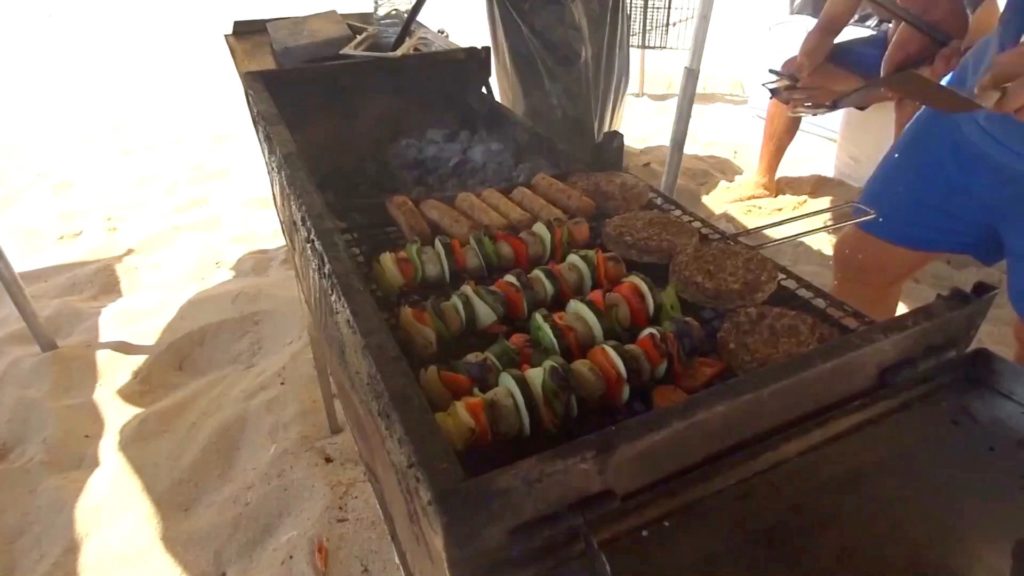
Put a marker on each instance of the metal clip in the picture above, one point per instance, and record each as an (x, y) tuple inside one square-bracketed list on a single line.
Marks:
[(869, 215)]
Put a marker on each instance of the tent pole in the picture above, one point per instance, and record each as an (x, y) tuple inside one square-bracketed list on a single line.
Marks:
[(687, 96)]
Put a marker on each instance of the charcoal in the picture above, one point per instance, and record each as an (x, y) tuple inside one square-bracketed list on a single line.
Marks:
[(448, 160), (437, 135), (477, 154)]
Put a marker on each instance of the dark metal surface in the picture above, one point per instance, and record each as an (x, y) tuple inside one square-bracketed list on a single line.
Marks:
[(916, 480), (317, 127)]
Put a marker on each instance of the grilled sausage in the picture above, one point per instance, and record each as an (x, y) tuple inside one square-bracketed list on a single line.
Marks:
[(448, 220), (535, 205), (481, 213), (519, 218), (567, 198), (409, 219)]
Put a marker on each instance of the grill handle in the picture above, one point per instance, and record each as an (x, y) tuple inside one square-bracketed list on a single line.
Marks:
[(868, 214)]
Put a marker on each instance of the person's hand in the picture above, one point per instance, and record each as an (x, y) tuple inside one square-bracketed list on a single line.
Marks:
[(814, 50), (945, 61), (1005, 78)]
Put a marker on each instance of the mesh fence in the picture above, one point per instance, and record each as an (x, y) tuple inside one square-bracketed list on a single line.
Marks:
[(661, 24)]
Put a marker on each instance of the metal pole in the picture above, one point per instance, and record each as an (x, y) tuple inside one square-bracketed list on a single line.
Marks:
[(687, 96), (643, 46), (16, 290)]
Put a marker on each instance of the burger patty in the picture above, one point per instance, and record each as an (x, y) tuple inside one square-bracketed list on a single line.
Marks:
[(723, 275), (648, 236), (614, 192), (756, 336)]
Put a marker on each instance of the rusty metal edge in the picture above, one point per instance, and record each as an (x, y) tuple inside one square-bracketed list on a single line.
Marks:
[(408, 461)]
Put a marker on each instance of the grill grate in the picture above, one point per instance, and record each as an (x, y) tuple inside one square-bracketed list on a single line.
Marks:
[(368, 230), (661, 24)]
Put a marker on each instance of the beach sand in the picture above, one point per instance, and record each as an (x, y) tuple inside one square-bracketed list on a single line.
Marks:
[(179, 429)]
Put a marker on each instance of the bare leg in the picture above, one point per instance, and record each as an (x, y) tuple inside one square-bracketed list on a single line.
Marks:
[(870, 273), (780, 127)]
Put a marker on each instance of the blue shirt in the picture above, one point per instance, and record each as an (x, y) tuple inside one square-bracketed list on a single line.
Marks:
[(1002, 134)]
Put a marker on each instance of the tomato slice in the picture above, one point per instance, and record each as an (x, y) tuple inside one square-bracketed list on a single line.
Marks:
[(514, 298), (665, 396), (518, 248), (563, 285), (596, 298), (569, 334), (650, 348), (460, 255), (478, 411), (637, 305), (458, 384), (674, 358), (699, 372), (602, 276), (519, 340), (497, 328), (614, 383), (523, 346), (422, 316), (557, 248), (406, 267), (598, 356)]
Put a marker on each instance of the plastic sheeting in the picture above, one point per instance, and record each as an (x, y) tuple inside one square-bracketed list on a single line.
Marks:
[(563, 65)]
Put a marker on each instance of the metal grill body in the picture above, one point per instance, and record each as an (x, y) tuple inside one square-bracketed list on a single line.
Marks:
[(323, 132)]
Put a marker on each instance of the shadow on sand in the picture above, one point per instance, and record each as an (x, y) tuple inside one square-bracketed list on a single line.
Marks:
[(50, 427), (231, 444)]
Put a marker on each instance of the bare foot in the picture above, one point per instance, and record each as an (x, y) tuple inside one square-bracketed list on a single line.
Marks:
[(743, 190)]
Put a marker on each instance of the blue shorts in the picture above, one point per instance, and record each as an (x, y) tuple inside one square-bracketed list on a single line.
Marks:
[(862, 56), (941, 190)]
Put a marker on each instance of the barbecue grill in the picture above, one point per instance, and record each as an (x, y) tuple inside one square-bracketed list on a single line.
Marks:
[(326, 133)]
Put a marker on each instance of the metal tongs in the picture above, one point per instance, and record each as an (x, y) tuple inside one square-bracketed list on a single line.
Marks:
[(865, 215), (786, 87)]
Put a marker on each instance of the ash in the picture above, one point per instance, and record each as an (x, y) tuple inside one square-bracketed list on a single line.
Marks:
[(451, 161)]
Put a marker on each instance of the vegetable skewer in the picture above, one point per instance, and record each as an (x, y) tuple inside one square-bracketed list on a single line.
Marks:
[(477, 403), (449, 259), (513, 297)]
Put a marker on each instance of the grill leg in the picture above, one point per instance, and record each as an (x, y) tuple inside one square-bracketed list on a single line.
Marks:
[(12, 284), (323, 376)]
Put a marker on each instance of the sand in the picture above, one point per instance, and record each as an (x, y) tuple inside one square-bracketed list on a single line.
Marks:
[(179, 429)]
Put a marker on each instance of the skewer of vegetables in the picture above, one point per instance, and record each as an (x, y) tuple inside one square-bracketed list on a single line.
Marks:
[(449, 259), (546, 396), (516, 295)]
